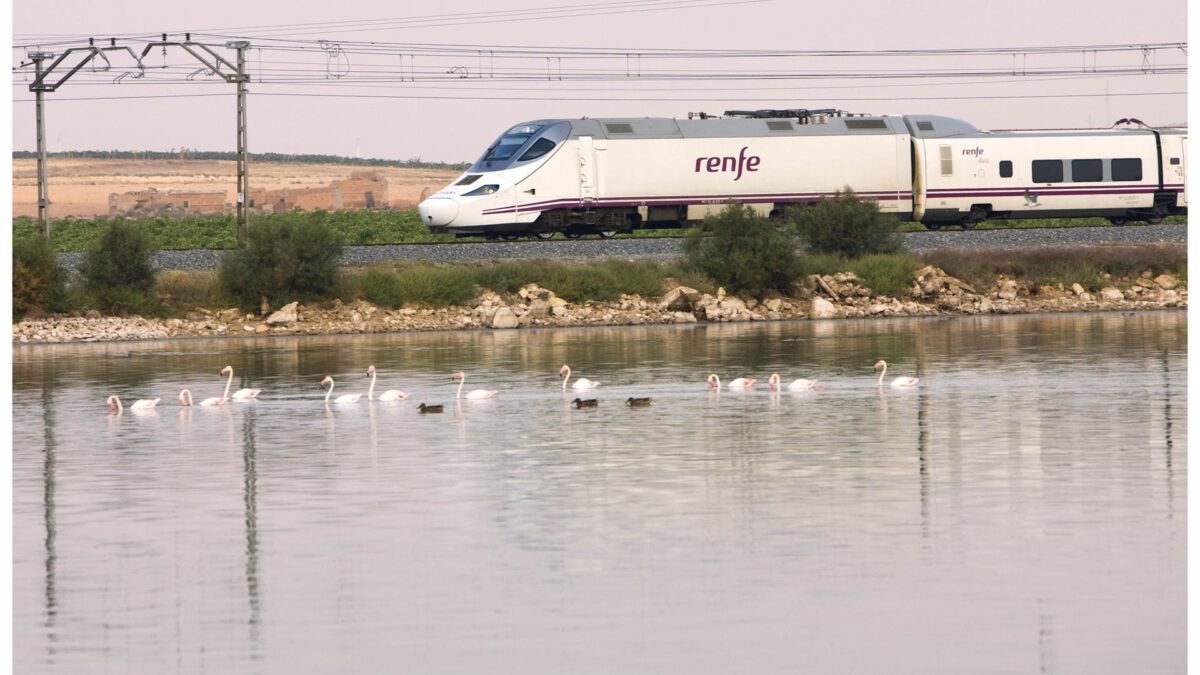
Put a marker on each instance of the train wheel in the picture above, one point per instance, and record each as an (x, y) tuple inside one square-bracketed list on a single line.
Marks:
[(932, 226), (572, 235), (969, 224), (544, 236), (1118, 221), (510, 236), (607, 234), (1155, 219), (491, 236)]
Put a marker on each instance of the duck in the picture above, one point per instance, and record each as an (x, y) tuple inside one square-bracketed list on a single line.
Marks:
[(634, 402), (426, 409), (585, 403)]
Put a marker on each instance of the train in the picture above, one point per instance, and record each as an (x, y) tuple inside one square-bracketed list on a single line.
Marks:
[(604, 176)]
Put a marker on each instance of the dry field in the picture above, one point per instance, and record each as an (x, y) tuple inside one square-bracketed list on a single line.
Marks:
[(80, 187)]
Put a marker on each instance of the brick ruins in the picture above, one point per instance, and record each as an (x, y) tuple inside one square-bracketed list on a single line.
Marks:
[(363, 190)]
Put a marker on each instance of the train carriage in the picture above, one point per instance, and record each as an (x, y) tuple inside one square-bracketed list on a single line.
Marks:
[(617, 174)]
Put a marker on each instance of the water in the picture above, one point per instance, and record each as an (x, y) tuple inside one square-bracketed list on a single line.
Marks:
[(1023, 510)]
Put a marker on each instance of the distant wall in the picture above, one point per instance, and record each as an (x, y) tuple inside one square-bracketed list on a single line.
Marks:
[(363, 190)]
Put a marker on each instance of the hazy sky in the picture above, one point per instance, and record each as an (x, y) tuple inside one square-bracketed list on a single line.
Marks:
[(458, 129)]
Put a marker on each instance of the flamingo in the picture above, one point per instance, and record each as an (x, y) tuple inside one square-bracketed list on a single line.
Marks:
[(795, 385), (240, 394), (471, 395), (185, 399), (742, 383), (580, 384), (344, 398), (389, 395), (902, 382), (115, 407)]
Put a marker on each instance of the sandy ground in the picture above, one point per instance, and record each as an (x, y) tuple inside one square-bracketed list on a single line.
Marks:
[(80, 187)]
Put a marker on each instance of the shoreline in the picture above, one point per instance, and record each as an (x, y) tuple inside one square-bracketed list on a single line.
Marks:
[(838, 296)]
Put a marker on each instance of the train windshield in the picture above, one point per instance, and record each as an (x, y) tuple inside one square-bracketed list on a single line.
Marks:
[(522, 143)]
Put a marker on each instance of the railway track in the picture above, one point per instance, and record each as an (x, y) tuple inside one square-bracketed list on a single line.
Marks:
[(670, 247)]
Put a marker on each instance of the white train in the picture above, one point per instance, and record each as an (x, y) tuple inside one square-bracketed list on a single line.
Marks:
[(606, 176)]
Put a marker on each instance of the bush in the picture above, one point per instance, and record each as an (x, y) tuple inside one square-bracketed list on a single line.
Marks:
[(117, 274), (743, 251), (846, 225), (889, 274), (284, 260), (38, 280)]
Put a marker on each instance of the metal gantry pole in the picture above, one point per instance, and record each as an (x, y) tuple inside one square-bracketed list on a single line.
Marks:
[(43, 188), (243, 176)]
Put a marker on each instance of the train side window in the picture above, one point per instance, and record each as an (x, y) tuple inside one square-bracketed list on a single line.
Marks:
[(1047, 171), (1005, 169), (540, 147), (1127, 168), (947, 160), (1087, 170), (1174, 161)]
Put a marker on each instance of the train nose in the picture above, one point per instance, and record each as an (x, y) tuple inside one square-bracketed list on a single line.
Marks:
[(438, 211)]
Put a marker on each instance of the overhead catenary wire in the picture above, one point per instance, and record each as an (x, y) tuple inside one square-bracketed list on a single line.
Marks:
[(621, 98)]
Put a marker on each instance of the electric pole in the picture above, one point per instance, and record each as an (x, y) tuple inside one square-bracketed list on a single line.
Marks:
[(43, 193), (243, 177)]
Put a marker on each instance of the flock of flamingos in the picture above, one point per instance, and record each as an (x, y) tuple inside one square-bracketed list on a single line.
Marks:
[(580, 385)]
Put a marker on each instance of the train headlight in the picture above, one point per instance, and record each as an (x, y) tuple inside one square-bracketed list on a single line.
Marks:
[(482, 190)]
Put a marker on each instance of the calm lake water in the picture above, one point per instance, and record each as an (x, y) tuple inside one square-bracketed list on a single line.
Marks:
[(1023, 510)]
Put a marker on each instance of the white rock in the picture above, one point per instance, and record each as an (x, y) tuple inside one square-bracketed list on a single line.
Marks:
[(504, 318), (773, 304), (1077, 289), (684, 317), (1166, 281), (1111, 294), (287, 314), (823, 309)]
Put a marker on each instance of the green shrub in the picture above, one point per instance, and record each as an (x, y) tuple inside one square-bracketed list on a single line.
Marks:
[(889, 274), (847, 225), (743, 251), (39, 282), (436, 286), (284, 260), (117, 274)]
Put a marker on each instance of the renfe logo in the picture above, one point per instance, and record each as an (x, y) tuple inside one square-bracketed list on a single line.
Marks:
[(976, 151), (722, 164)]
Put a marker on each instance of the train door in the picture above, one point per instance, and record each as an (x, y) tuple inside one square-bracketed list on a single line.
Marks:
[(587, 169), (1183, 170)]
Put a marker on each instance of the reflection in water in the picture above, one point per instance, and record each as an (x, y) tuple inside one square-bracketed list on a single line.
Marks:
[(48, 485), (736, 528), (250, 500)]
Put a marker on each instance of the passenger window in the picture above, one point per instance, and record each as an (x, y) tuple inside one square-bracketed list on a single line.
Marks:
[(947, 160), (1087, 170), (1005, 169), (540, 147), (1127, 169), (1047, 171)]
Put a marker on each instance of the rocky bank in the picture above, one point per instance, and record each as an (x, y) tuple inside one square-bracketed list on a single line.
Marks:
[(932, 293)]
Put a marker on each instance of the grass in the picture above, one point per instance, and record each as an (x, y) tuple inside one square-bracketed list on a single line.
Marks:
[(363, 227), (1053, 266)]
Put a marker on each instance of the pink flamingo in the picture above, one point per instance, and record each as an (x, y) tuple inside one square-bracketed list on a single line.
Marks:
[(580, 384), (115, 408), (344, 398), (471, 395), (742, 383), (240, 394), (902, 382), (185, 399), (389, 395), (795, 385)]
